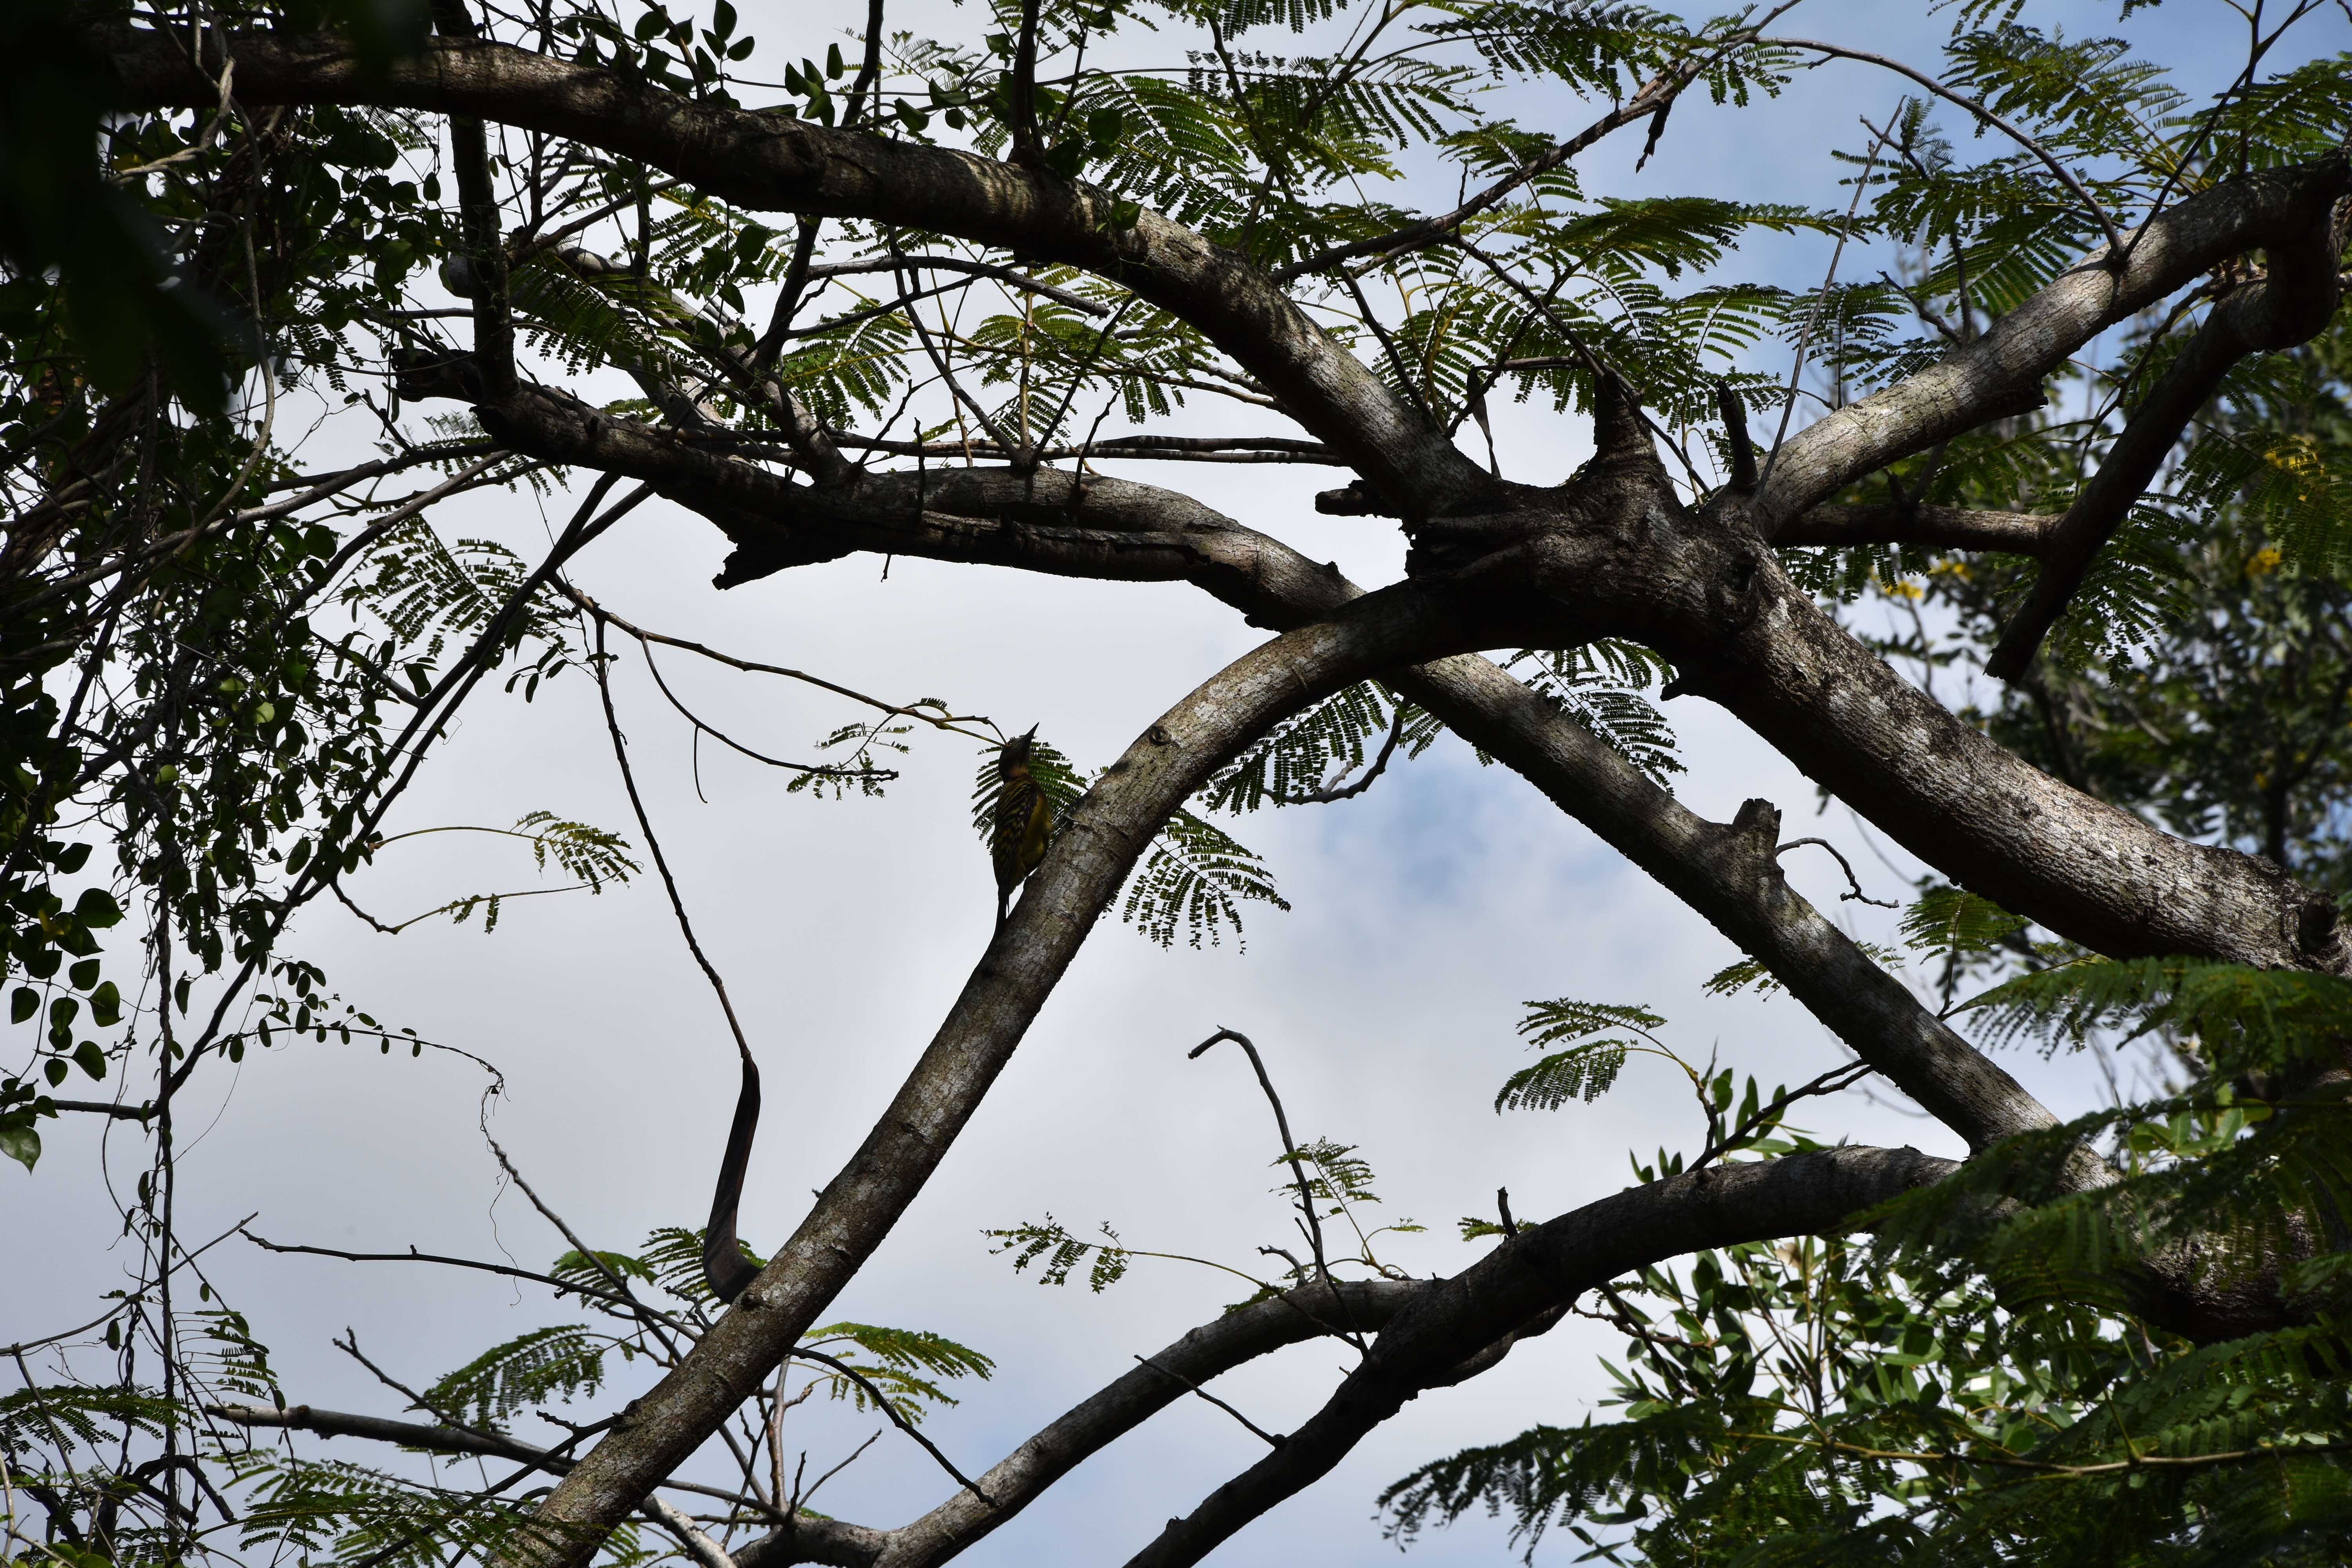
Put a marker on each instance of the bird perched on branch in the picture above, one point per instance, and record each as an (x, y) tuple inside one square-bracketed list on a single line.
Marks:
[(1016, 843)]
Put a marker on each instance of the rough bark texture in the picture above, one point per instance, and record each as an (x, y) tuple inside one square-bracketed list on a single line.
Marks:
[(1935, 527)]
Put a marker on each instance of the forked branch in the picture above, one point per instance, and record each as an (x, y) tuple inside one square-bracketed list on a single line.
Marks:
[(2293, 304)]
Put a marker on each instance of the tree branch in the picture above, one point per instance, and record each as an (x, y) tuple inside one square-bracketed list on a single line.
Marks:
[(1126, 1402), (1545, 1267), (1935, 527), (2290, 306), (2001, 372), (1088, 862), (769, 162), (439, 1439)]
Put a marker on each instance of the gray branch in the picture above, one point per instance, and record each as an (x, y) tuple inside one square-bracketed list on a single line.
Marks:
[(765, 162), (2290, 306), (2000, 375), (1934, 527)]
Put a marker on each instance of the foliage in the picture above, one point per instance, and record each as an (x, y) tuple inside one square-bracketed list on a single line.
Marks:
[(1193, 877), (1057, 1252), (1971, 1388), (894, 1366), (1589, 1065), (221, 665), (1600, 685), (531, 1369)]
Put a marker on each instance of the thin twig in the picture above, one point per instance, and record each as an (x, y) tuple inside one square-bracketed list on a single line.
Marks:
[(1313, 1225), (2116, 251), (1812, 316), (1856, 895), (938, 720), (890, 1410), (1834, 1081), (413, 1255), (1273, 1440), (1333, 791), (800, 1497)]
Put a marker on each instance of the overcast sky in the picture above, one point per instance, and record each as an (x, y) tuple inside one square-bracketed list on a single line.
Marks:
[(1425, 912)]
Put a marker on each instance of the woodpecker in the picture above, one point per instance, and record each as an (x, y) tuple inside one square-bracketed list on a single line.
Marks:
[(1016, 842)]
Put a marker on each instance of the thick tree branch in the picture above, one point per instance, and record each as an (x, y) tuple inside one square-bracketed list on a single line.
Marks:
[(1050, 522), (2001, 372), (1087, 864), (771, 162), (2291, 305), (1935, 527), (1023, 1475), (1546, 1267), (477, 202), (1696, 588)]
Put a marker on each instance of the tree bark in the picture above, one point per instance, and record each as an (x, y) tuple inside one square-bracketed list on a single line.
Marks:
[(2001, 372), (769, 162), (1087, 864), (1557, 1261)]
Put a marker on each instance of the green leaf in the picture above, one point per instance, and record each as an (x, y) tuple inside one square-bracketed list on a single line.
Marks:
[(1584, 1073), (533, 1368), (21, 1144), (23, 1003), (105, 1005), (1955, 921), (1563, 1018), (83, 975), (90, 1059), (96, 908), (1049, 1239)]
